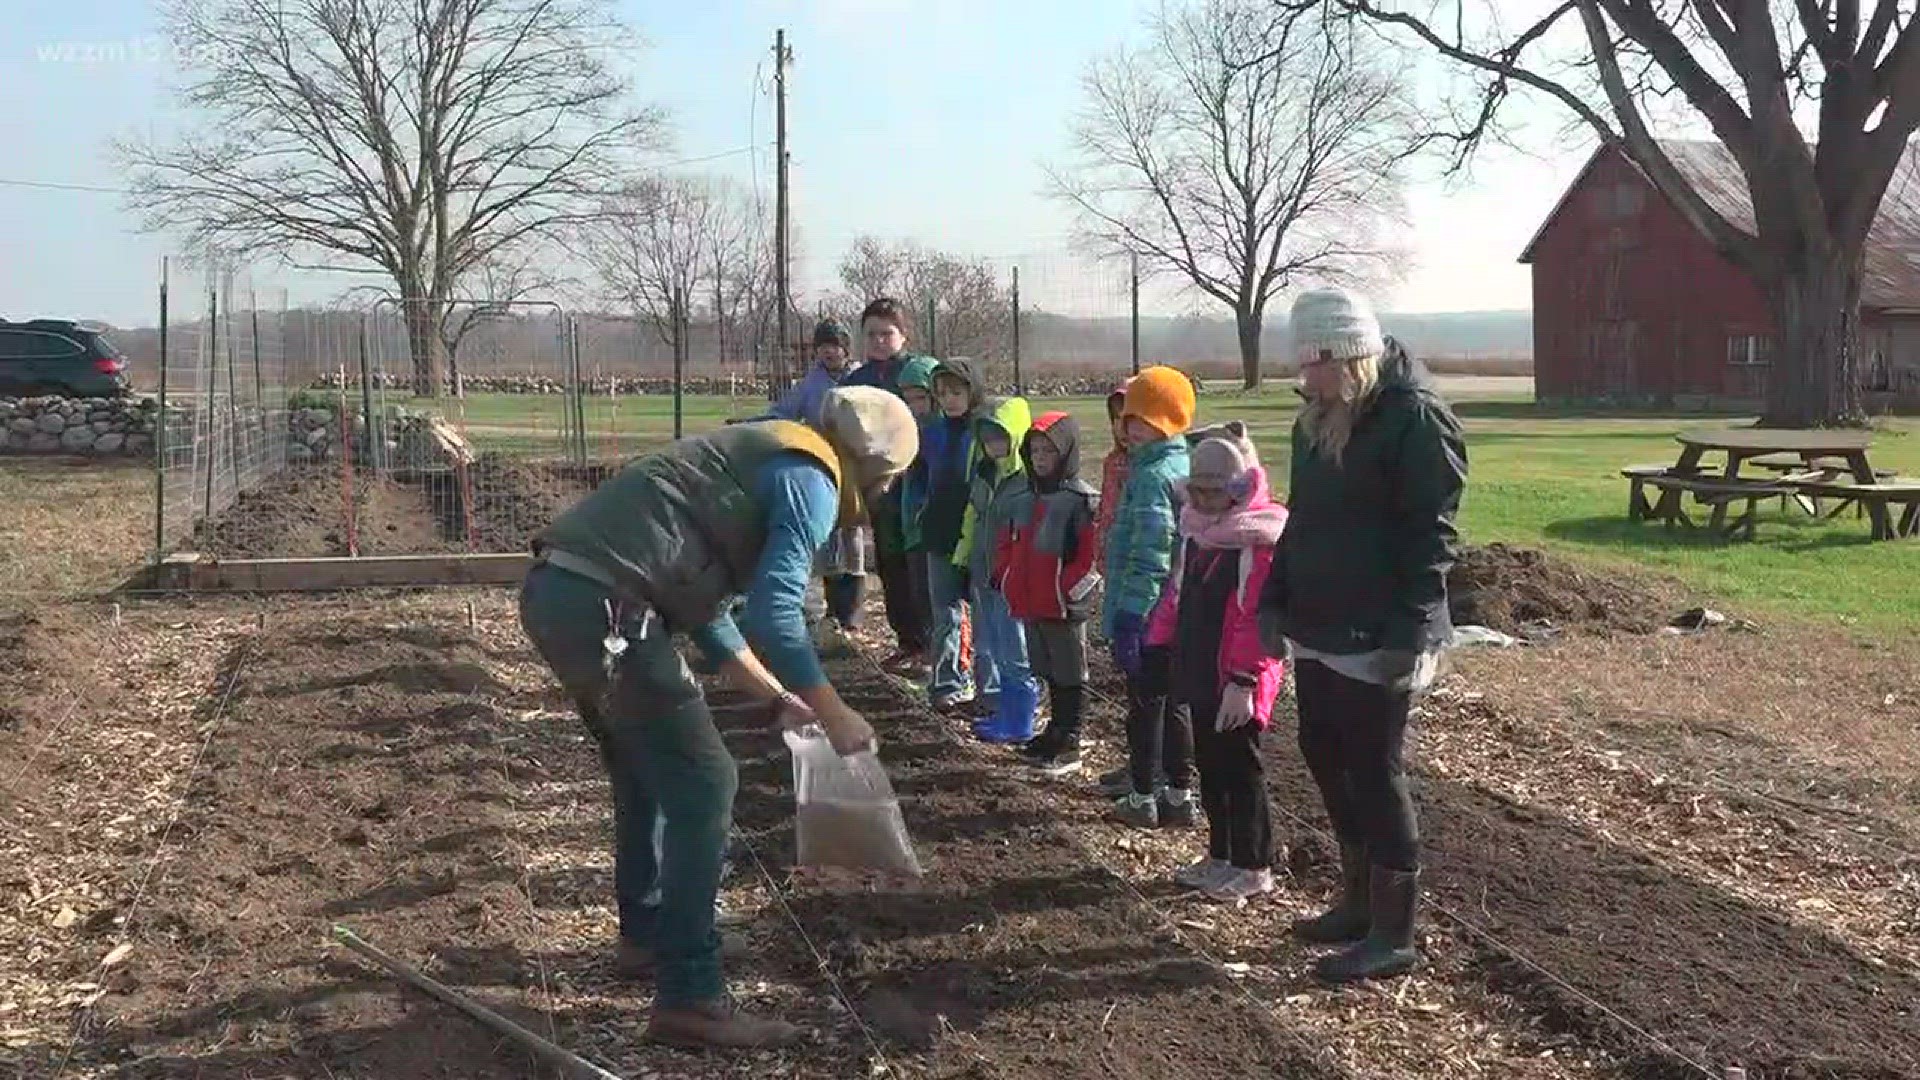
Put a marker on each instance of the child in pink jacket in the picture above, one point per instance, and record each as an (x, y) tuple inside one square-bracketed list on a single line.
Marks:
[(1208, 614)]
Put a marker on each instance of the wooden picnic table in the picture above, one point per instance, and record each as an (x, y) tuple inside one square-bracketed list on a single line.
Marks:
[(1832, 461), (1742, 444)]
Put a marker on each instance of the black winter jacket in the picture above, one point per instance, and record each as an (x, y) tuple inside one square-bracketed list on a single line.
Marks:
[(1362, 564)]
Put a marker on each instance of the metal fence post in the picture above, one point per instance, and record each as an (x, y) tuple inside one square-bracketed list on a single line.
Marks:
[(213, 389), (374, 441), (581, 389), (1133, 302), (677, 313), (1019, 384), (234, 430), (160, 432)]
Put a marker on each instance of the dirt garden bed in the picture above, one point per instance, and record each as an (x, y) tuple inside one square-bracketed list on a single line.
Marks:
[(304, 512), (205, 786)]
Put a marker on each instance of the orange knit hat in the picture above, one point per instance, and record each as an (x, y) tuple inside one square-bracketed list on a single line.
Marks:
[(1162, 397)]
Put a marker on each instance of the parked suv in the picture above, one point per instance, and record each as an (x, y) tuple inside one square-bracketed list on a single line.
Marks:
[(58, 356)]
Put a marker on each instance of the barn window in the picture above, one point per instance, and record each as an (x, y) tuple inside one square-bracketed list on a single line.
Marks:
[(1750, 350)]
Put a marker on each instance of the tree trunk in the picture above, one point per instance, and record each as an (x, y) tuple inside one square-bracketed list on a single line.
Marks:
[(1815, 377), (422, 315), (1249, 321)]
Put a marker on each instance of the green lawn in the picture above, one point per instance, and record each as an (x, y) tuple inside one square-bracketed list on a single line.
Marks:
[(1539, 478)]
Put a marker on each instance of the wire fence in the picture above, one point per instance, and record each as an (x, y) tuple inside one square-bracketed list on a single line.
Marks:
[(225, 379)]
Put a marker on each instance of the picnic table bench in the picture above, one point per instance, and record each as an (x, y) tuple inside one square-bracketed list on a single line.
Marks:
[(1806, 467), (1719, 493)]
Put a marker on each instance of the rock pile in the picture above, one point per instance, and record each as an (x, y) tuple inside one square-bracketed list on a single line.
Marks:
[(63, 425), (314, 435)]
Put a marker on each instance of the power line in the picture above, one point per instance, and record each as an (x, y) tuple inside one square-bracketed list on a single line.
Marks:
[(54, 185), (58, 185)]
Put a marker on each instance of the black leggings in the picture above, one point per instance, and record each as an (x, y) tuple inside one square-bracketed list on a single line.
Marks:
[(1159, 726), (1352, 734), (1233, 791)]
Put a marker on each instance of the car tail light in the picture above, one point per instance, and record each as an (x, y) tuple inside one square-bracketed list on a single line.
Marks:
[(107, 365)]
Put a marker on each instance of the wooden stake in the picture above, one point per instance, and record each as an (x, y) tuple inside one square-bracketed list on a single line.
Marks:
[(473, 620), (116, 614), (553, 1055)]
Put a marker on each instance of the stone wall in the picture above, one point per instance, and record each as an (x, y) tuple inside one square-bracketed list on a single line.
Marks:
[(1039, 384), (108, 427), (314, 436)]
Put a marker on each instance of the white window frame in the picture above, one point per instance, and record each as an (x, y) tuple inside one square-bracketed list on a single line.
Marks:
[(1751, 350)]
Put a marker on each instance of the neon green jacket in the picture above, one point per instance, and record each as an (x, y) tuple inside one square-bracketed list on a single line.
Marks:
[(1013, 416)]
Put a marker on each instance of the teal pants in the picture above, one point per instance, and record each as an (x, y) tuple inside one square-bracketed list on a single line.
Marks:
[(666, 763)]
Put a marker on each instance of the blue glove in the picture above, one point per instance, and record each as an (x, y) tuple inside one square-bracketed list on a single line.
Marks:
[(1129, 631)]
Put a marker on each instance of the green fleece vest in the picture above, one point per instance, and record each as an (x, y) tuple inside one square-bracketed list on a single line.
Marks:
[(681, 527)]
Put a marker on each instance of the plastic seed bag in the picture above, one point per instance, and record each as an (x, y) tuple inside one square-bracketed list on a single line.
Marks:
[(847, 815)]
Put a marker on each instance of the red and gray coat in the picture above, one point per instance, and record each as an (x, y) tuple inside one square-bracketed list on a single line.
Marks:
[(1044, 555)]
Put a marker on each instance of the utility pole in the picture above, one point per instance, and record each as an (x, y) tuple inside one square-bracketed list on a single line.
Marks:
[(783, 292)]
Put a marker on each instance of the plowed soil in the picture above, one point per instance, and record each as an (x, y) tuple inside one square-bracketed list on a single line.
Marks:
[(205, 788), (304, 512)]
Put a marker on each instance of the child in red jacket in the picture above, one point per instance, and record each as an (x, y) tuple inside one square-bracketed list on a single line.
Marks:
[(1043, 564), (1208, 613)]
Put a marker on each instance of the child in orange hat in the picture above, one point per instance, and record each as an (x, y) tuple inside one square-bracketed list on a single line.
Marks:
[(1157, 412)]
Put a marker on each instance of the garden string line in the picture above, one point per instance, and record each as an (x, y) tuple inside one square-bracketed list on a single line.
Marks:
[(160, 852), (1300, 1042), (1511, 952)]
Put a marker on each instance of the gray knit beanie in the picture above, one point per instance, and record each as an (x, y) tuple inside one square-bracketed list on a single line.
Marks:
[(1336, 323)]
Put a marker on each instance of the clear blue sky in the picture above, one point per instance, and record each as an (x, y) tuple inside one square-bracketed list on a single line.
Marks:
[(911, 119)]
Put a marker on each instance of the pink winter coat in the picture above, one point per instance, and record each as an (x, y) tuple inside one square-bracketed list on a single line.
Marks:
[(1253, 529)]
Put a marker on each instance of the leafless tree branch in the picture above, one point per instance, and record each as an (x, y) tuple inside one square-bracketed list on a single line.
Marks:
[(430, 138), (1245, 148)]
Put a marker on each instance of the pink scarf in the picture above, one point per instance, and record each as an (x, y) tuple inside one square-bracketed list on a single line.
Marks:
[(1256, 522)]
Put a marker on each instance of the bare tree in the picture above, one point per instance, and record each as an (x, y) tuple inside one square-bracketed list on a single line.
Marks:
[(498, 288), (1242, 151), (973, 310), (1815, 100), (425, 137), (652, 248)]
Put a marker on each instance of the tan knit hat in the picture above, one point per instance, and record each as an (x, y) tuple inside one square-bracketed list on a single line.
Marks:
[(874, 431)]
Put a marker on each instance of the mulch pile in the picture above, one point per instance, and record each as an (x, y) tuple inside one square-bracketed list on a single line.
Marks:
[(1508, 588)]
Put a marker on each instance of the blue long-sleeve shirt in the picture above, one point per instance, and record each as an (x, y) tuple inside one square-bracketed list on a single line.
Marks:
[(803, 399), (801, 506)]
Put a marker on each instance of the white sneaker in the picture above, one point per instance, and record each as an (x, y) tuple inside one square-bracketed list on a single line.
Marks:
[(1240, 885), (1202, 874)]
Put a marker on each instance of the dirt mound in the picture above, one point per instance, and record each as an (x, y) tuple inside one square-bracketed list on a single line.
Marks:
[(301, 513), (1506, 587), (514, 500)]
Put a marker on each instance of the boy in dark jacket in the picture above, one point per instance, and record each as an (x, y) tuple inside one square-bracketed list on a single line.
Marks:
[(1044, 565), (944, 473), (884, 329)]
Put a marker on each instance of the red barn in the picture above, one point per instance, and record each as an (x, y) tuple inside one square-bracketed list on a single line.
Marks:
[(1633, 306)]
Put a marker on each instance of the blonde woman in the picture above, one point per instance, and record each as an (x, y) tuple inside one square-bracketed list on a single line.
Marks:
[(1358, 595)]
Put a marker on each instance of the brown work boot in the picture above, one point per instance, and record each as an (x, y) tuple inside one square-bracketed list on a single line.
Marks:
[(635, 962), (718, 1024)]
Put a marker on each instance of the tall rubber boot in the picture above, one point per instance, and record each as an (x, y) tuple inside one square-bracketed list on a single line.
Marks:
[(1387, 950), (1348, 920), (1012, 722)]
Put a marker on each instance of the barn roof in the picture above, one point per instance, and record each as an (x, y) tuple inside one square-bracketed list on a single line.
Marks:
[(1893, 247)]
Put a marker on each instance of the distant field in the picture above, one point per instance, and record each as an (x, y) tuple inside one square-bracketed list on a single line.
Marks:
[(1541, 477)]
